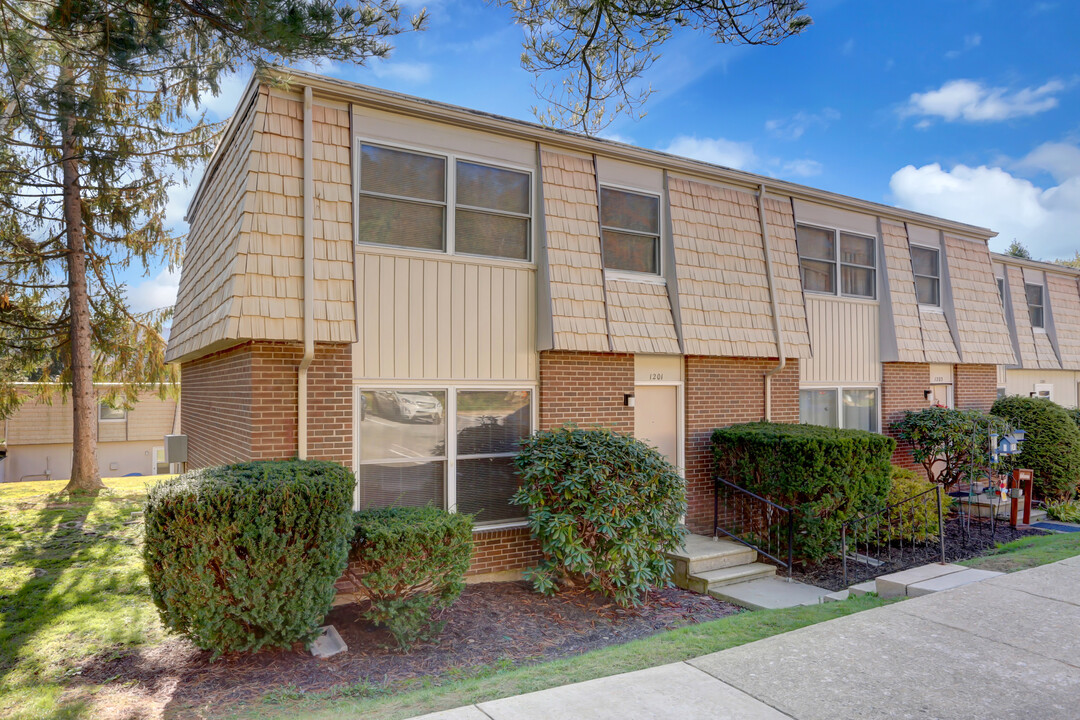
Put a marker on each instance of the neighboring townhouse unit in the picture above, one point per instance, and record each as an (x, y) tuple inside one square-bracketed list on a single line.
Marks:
[(1042, 306), (409, 288), (130, 442)]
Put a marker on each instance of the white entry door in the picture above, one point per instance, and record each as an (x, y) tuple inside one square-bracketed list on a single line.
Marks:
[(656, 418)]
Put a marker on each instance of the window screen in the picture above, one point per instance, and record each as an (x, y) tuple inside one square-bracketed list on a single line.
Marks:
[(631, 229), (817, 258), (1035, 304), (857, 266), (490, 424), (925, 264), (402, 199), (492, 213), (825, 254)]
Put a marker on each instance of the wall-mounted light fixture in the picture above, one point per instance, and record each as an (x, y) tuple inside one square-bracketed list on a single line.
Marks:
[(628, 399), (926, 394)]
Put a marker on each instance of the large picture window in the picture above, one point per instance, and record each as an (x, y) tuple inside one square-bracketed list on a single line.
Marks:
[(926, 266), (442, 447), (840, 407), (630, 224), (1035, 305), (820, 261)]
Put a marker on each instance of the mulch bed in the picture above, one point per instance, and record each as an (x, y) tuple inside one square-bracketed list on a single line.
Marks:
[(491, 624), (979, 541)]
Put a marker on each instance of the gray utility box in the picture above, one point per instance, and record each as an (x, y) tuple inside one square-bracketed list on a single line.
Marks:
[(176, 449)]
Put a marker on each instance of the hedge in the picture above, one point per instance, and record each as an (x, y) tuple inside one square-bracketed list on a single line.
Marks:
[(1051, 446), (825, 475), (409, 565), (245, 556)]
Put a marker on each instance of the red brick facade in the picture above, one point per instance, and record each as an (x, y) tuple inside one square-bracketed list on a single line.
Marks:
[(975, 386), (586, 389), (720, 392), (903, 388), (503, 550)]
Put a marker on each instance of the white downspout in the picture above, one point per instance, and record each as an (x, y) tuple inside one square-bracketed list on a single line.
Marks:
[(309, 285), (780, 351)]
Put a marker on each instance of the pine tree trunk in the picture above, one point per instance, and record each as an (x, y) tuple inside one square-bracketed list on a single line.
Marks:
[(84, 463)]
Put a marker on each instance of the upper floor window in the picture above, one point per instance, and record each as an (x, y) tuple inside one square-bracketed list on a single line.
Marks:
[(403, 202), (1001, 291), (926, 265), (110, 413), (630, 223), (825, 253), (1035, 304)]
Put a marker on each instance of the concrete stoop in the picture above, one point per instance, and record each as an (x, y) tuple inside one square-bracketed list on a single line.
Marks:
[(770, 594), (928, 579)]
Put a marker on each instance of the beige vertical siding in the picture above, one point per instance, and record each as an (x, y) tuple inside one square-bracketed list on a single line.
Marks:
[(571, 217), (444, 318), (1028, 356), (1064, 301), (980, 320), (640, 317), (905, 307), (41, 423), (720, 265), (845, 339), (1023, 382)]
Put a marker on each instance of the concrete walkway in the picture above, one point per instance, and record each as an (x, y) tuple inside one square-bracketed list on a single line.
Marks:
[(1007, 647)]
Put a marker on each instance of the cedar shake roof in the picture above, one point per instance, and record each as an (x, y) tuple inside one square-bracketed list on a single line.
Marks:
[(1028, 355), (1065, 305), (980, 319), (905, 307), (640, 317)]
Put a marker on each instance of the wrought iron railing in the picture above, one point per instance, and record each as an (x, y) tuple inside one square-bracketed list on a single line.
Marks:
[(896, 537), (754, 521)]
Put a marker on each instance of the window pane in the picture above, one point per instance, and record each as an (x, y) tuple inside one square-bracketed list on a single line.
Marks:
[(402, 424), (396, 222), (479, 233), (818, 276), (816, 243), (857, 281), (396, 172), (629, 211), (924, 261), (860, 410), (857, 250), (1001, 291), (492, 421), (926, 291), (409, 484), (637, 253), (493, 188), (107, 413), (484, 487), (1036, 315), (1034, 294), (817, 407)]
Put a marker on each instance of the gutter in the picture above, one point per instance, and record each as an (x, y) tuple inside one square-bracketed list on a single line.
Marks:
[(309, 285), (780, 350)]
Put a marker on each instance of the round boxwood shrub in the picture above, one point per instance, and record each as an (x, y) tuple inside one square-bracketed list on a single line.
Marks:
[(245, 556), (605, 508), (1051, 446), (407, 565)]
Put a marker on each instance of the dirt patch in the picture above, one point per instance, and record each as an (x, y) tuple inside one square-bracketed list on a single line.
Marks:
[(491, 625), (979, 541)]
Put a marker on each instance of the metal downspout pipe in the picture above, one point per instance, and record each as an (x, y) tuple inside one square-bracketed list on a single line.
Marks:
[(309, 285), (780, 350)]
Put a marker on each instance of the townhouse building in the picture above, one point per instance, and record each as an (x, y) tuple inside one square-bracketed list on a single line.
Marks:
[(409, 288)]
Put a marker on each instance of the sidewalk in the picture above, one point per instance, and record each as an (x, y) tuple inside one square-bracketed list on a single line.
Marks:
[(1007, 647)]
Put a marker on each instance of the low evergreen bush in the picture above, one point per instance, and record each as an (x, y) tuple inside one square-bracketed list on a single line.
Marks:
[(604, 506), (245, 556), (409, 564), (917, 520), (1051, 446), (825, 475)]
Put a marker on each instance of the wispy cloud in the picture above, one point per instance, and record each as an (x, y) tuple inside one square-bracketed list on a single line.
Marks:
[(970, 43), (155, 293), (801, 168), (972, 101), (794, 127), (415, 73), (718, 151)]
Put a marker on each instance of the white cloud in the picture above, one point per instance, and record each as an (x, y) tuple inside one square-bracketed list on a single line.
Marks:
[(801, 168), (970, 43), (406, 72), (156, 293), (1047, 220), (616, 137), (222, 105), (718, 151), (793, 128), (1061, 160), (971, 101)]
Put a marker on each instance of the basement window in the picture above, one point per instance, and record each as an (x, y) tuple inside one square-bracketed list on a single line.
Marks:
[(1035, 305), (630, 225)]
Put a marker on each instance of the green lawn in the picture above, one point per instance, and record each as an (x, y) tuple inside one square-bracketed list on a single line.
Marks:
[(1028, 552)]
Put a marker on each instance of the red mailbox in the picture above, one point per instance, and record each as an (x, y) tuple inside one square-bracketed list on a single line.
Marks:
[(1020, 487)]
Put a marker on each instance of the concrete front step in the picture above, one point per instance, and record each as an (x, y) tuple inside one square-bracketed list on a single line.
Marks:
[(770, 593), (710, 580), (701, 554)]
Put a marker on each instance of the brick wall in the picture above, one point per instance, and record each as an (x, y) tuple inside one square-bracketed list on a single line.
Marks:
[(975, 386), (903, 388), (721, 392), (586, 389), (502, 550), (240, 404)]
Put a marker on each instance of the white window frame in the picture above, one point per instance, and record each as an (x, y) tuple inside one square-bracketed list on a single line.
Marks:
[(840, 399), (449, 202), (122, 418), (634, 275), (915, 275), (1041, 306), (450, 413), (837, 263)]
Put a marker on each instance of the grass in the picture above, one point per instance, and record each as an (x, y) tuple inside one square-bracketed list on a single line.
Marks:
[(1028, 552)]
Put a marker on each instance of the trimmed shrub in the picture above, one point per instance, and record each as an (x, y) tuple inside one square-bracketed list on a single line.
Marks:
[(605, 508), (919, 519), (1074, 413), (949, 443), (1051, 446), (409, 564), (825, 475), (245, 556)]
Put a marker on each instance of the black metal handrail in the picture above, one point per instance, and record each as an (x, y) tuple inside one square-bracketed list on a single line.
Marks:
[(755, 522), (881, 539)]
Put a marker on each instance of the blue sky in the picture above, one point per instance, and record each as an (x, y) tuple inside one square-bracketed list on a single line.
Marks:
[(967, 109)]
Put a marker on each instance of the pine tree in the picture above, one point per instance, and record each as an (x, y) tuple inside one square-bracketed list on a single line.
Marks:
[(100, 117), (1017, 250)]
